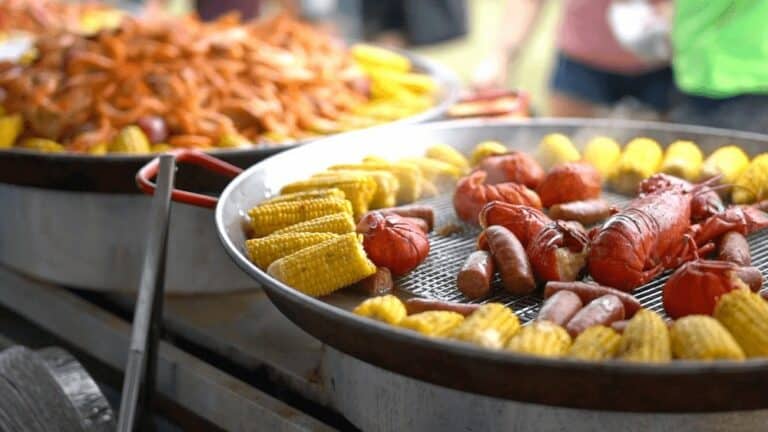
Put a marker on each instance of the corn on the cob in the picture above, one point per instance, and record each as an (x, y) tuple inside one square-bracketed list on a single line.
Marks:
[(408, 176), (358, 189), (414, 82), (728, 162), (683, 159), (388, 309), (130, 139), (645, 339), (386, 186), (701, 337), (100, 149), (160, 148), (745, 315), (448, 154), (375, 160), (490, 326), (486, 148), (752, 184), (595, 343), (266, 250), (268, 218), (232, 140), (433, 323), (543, 338), (556, 149), (310, 194), (42, 144), (323, 268), (10, 129), (443, 175), (374, 57), (641, 159), (603, 153), (338, 223)]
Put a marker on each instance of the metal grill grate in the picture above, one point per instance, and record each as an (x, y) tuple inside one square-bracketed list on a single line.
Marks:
[(436, 277)]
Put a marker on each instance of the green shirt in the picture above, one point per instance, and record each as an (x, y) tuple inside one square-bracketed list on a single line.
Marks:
[(721, 47)]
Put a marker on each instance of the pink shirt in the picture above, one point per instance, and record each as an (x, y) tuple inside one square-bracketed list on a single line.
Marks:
[(586, 36)]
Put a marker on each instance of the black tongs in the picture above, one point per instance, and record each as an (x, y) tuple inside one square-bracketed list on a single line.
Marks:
[(138, 386)]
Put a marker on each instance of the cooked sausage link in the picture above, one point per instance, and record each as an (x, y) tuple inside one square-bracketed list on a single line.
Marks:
[(417, 305), (511, 260), (560, 308), (377, 284), (474, 279), (600, 311), (733, 247), (586, 212), (588, 291)]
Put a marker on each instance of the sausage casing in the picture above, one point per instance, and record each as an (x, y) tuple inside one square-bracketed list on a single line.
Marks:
[(510, 259), (589, 291), (377, 284), (474, 279), (752, 276), (419, 211), (600, 311), (733, 247), (560, 308), (417, 305), (586, 212)]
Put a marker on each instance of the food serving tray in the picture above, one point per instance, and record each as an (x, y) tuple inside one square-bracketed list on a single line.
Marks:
[(679, 386)]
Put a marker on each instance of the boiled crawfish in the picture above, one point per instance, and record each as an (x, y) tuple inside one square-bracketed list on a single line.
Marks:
[(523, 221), (704, 203), (558, 252), (472, 194)]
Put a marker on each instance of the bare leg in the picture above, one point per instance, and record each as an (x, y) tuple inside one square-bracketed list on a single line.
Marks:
[(561, 105)]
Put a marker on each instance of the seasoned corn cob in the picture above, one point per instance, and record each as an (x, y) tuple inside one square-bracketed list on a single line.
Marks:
[(388, 309), (595, 343), (42, 144), (268, 218), (640, 160), (490, 326), (386, 186), (408, 176), (375, 57), (443, 175), (645, 339), (323, 268), (448, 154), (752, 184), (232, 140), (338, 223), (310, 194), (745, 315), (10, 129), (683, 159), (543, 338), (728, 162), (266, 250), (358, 189), (433, 323), (701, 337), (130, 139), (603, 153), (486, 148), (556, 149), (414, 82)]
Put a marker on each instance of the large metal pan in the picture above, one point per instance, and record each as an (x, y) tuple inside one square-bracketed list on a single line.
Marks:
[(73, 219), (675, 387)]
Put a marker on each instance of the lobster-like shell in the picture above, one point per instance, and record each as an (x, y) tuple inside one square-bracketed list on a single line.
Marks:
[(472, 194)]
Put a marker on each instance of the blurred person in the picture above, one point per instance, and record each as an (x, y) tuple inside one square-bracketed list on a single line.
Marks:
[(592, 70), (721, 63), (413, 22)]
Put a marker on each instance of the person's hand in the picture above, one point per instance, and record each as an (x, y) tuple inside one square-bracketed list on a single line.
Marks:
[(490, 73)]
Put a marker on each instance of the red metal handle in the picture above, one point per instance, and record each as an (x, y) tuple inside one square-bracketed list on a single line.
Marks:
[(195, 157)]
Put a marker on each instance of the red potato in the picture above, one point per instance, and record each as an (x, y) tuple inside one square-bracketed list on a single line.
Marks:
[(600, 311), (560, 308), (734, 247), (588, 291), (587, 212), (474, 278), (515, 167), (571, 181), (511, 260), (417, 305)]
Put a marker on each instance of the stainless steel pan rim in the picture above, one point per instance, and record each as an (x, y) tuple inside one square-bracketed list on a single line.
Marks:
[(287, 298)]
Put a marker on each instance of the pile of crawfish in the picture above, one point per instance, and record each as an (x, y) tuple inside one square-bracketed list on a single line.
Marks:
[(670, 224)]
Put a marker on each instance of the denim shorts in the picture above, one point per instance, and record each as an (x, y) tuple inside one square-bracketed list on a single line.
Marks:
[(654, 89)]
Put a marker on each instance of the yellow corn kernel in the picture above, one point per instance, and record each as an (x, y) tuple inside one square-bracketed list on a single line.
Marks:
[(375, 160), (310, 194), (433, 323), (645, 339), (728, 162), (408, 177), (414, 82), (338, 223), (160, 148), (266, 250), (443, 175), (603, 153), (232, 140), (556, 149), (42, 144), (130, 139), (640, 160), (683, 159), (745, 315), (358, 189), (380, 58), (386, 186), (10, 129), (490, 326), (752, 184), (98, 149), (701, 337), (387, 308), (595, 343), (542, 338), (450, 155), (487, 148), (323, 268), (268, 218)]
